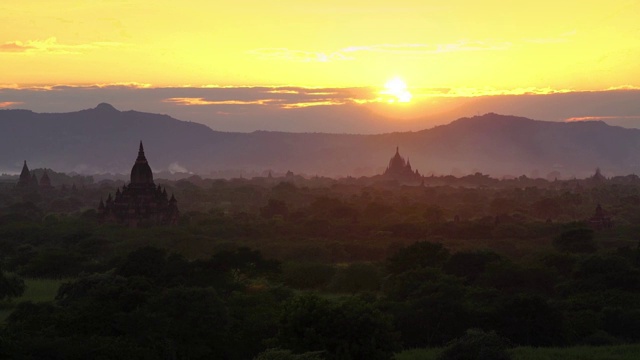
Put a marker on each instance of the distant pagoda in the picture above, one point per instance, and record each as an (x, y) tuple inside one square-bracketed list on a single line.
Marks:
[(600, 220), (26, 180), (141, 202), (29, 181), (45, 182), (400, 169)]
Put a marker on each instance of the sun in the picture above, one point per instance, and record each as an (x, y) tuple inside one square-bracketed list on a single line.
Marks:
[(397, 88)]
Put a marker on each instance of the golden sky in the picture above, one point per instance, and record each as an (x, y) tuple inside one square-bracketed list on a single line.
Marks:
[(466, 45)]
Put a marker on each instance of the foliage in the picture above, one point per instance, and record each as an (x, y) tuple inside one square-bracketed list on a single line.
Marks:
[(307, 275), (356, 278), (11, 286), (281, 354), (345, 329), (576, 241), (510, 256), (417, 255), (477, 345)]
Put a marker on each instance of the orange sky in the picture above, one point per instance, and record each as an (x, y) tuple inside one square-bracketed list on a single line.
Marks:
[(468, 46)]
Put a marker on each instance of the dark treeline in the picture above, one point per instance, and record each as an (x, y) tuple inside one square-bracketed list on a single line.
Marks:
[(322, 269)]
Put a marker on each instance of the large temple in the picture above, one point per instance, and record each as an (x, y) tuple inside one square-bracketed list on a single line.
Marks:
[(141, 203), (399, 169)]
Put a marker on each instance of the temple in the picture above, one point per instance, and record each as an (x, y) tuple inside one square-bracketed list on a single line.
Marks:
[(141, 203), (45, 182), (399, 169), (600, 220), (28, 180), (25, 179)]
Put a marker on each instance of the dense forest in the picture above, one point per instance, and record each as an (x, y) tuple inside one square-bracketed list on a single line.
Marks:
[(317, 268)]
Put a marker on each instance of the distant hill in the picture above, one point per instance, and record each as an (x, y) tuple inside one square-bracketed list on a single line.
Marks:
[(104, 139)]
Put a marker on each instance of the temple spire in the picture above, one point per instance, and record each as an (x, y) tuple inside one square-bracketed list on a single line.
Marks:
[(141, 157), (25, 176), (141, 172)]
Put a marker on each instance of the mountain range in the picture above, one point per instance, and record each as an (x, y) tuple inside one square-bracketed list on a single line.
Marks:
[(105, 140)]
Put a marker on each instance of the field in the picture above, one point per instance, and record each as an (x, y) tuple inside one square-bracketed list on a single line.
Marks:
[(618, 352)]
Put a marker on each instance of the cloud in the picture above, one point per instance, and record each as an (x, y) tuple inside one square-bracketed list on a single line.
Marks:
[(351, 110), (15, 47), (274, 97), (412, 49), (6, 104), (624, 87), (562, 38), (601, 118), (52, 46), (203, 102), (469, 92), (297, 55), (348, 53), (177, 168), (345, 54)]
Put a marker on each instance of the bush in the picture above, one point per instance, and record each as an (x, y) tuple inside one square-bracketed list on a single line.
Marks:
[(357, 277), (346, 329), (10, 286), (477, 345), (306, 275), (283, 354), (576, 241)]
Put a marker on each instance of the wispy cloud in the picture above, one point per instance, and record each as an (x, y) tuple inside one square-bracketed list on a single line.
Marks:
[(186, 101), (277, 97), (52, 46), (624, 87), (410, 49), (468, 92), (6, 104), (601, 118), (297, 55), (562, 38), (290, 108), (348, 53)]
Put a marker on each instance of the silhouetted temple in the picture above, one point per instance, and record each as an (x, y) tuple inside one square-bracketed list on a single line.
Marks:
[(141, 202), (600, 220), (25, 177), (28, 180), (400, 169), (45, 182)]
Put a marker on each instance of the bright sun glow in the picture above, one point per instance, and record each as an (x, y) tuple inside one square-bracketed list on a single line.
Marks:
[(398, 89)]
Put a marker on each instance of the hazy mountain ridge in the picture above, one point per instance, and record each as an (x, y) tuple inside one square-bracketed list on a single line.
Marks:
[(104, 139)]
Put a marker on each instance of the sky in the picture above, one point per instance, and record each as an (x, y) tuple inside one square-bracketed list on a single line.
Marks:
[(220, 63)]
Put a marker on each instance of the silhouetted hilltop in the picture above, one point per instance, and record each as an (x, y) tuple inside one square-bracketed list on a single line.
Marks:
[(103, 139)]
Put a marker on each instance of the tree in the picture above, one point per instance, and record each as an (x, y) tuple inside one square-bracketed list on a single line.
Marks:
[(530, 320), (470, 264), (10, 286), (477, 345), (356, 277), (346, 329), (417, 255), (283, 354), (274, 208), (428, 307), (576, 241)]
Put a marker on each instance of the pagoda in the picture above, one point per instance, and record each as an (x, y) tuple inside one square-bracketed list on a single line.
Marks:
[(26, 180), (141, 203), (600, 220), (400, 169), (45, 182)]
